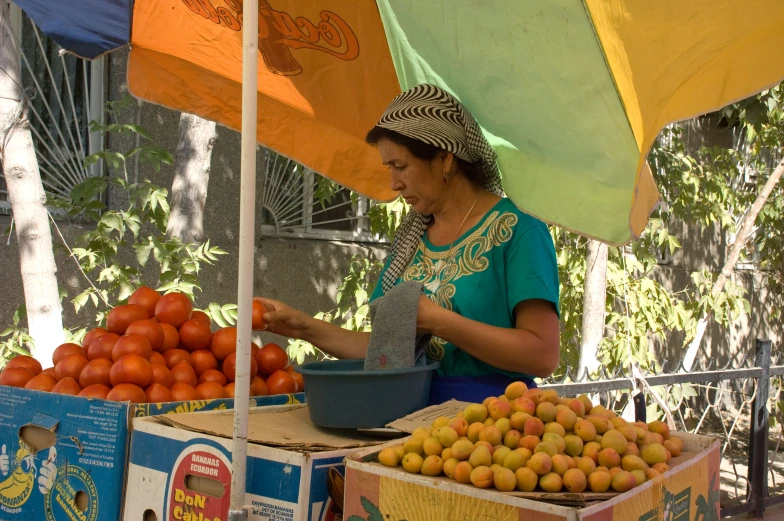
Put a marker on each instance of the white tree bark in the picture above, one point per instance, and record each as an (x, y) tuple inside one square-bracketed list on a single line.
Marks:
[(189, 189), (732, 258), (594, 304), (28, 204)]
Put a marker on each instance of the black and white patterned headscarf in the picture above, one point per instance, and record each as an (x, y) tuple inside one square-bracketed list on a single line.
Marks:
[(430, 114)]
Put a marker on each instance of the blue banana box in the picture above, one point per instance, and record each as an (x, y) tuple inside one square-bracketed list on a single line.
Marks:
[(64, 458)]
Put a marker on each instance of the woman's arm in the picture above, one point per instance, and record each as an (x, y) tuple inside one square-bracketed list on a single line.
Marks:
[(531, 347), (333, 340)]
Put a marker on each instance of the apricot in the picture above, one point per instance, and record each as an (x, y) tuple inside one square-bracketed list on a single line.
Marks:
[(482, 443), (556, 440), (499, 454), (566, 418), (475, 413), (599, 481), (503, 425), (629, 432), (462, 449), (491, 435), (527, 479), (534, 427), (586, 466), (547, 447), (639, 476), (609, 458), (482, 477), (447, 436), (388, 457), (653, 454), (473, 431), (674, 448), (515, 390), (575, 481), (400, 451), (654, 437), (678, 441), (512, 438), (421, 432), (459, 425), (449, 467), (617, 423), (599, 423), (577, 407), (504, 479), (623, 481), (551, 482), (541, 463), (441, 421), (535, 395), (587, 405), (661, 468), (499, 409), (585, 430), (615, 470), (651, 473), (414, 446), (550, 395), (523, 404), (432, 466), (518, 419), (516, 459), (480, 457), (573, 445), (446, 454), (630, 463), (463, 472), (614, 439), (412, 462), (432, 447), (489, 422), (660, 428), (555, 428), (545, 411), (632, 449), (592, 450), (529, 442), (559, 465)]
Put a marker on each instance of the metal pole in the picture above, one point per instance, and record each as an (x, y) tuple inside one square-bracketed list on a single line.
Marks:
[(758, 442), (250, 57)]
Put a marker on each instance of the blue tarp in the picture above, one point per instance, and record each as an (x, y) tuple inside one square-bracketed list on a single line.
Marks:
[(87, 28)]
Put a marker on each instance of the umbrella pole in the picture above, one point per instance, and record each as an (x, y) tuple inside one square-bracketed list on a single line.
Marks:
[(250, 45)]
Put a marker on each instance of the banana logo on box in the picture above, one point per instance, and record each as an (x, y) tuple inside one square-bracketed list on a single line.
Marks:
[(16, 488)]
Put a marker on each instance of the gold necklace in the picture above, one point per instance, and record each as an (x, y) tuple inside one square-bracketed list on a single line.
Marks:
[(449, 252)]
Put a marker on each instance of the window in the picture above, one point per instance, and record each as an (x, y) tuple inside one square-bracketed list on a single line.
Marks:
[(65, 93), (300, 203)]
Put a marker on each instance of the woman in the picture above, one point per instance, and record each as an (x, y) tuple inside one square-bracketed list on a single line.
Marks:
[(489, 270)]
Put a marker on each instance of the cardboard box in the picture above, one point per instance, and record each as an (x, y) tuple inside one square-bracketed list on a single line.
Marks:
[(688, 491), (180, 465), (64, 457)]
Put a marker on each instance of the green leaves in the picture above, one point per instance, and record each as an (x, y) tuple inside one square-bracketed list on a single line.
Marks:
[(224, 316)]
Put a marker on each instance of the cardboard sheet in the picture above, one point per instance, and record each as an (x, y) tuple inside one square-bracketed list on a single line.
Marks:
[(286, 426)]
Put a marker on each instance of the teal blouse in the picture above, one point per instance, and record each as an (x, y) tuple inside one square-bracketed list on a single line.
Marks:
[(508, 257)]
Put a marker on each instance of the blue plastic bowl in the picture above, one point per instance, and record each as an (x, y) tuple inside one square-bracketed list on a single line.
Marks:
[(341, 394)]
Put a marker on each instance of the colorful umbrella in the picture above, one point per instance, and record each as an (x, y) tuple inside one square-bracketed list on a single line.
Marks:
[(571, 93)]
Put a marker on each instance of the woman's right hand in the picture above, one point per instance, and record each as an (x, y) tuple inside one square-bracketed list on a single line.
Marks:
[(284, 320)]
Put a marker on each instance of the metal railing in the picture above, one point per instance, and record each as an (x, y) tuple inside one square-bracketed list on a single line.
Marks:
[(729, 402)]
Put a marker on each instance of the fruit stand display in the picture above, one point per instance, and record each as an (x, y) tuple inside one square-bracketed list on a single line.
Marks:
[(65, 430), (156, 349), (532, 451)]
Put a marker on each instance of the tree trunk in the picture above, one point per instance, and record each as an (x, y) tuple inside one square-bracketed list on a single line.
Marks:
[(732, 258), (189, 189), (28, 203), (594, 306)]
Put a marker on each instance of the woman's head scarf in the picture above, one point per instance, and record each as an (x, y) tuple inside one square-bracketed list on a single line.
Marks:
[(429, 114)]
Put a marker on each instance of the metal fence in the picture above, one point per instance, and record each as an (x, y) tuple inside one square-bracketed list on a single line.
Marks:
[(731, 403)]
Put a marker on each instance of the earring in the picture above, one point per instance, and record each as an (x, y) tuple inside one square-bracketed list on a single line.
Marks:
[(445, 178)]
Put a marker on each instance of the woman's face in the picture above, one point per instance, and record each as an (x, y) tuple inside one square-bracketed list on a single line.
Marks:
[(419, 181)]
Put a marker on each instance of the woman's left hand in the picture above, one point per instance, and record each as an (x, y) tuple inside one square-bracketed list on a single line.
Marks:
[(427, 315)]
